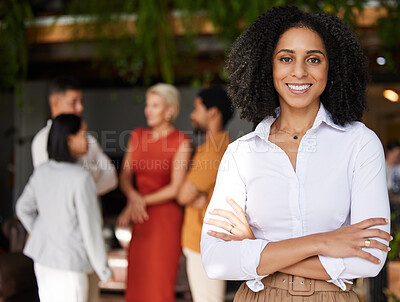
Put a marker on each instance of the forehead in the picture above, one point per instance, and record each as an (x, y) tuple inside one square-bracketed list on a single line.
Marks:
[(154, 98), (72, 94), (301, 38)]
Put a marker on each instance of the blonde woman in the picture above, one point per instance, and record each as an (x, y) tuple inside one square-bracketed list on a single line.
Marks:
[(154, 167)]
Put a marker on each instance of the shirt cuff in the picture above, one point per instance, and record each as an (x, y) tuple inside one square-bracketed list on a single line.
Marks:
[(250, 251), (334, 267), (105, 274)]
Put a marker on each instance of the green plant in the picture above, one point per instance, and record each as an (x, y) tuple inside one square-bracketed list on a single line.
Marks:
[(13, 43), (152, 48)]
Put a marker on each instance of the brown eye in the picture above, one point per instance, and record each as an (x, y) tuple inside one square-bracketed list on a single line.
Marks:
[(314, 60), (286, 59)]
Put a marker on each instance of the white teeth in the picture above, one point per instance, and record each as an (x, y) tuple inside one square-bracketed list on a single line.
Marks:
[(299, 87)]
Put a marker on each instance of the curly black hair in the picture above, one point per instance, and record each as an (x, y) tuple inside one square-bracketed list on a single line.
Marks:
[(249, 65)]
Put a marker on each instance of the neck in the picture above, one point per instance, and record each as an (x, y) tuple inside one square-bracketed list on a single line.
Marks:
[(214, 128), (296, 121), (161, 130)]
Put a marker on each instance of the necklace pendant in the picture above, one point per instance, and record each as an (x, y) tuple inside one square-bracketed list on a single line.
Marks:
[(295, 137)]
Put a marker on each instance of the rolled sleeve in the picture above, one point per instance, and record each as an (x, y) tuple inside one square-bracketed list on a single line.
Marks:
[(334, 268), (250, 252)]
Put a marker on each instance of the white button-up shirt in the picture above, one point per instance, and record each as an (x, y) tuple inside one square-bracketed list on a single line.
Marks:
[(339, 180)]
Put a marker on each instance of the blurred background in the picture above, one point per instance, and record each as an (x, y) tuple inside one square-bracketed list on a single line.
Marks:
[(118, 48)]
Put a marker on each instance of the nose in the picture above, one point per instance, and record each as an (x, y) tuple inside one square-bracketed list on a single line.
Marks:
[(299, 69), (79, 108)]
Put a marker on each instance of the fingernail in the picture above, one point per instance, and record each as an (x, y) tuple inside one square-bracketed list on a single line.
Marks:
[(379, 261), (388, 248), (387, 220), (391, 238)]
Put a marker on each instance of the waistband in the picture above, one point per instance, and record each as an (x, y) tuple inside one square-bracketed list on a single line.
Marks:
[(300, 286)]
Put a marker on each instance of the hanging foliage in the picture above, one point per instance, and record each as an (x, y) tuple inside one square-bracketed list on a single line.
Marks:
[(141, 38), (152, 50), (13, 43)]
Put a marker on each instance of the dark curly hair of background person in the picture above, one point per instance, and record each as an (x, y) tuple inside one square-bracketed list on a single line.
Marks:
[(249, 65)]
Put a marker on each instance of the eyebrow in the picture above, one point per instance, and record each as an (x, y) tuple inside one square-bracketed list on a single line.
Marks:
[(308, 52)]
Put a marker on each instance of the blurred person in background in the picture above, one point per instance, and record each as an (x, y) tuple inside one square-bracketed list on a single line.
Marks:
[(60, 211), (393, 166), (65, 97), (212, 111), (153, 169)]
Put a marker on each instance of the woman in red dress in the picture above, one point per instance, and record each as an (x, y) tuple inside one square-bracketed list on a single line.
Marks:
[(154, 167)]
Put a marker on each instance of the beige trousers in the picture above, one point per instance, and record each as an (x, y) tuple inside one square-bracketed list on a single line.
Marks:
[(202, 288)]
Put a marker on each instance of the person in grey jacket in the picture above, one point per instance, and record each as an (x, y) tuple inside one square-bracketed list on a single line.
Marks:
[(59, 209)]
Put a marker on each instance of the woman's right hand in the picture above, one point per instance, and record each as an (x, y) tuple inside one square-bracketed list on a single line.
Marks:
[(135, 211), (348, 241)]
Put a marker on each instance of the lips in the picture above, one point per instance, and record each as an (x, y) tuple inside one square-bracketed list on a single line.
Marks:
[(299, 88)]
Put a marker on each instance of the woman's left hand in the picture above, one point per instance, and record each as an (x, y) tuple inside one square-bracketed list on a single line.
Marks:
[(238, 227)]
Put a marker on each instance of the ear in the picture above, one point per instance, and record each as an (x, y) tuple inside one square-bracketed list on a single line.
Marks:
[(54, 101), (170, 112), (213, 112)]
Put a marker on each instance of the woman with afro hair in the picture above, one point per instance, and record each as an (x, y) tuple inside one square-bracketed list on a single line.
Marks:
[(300, 207)]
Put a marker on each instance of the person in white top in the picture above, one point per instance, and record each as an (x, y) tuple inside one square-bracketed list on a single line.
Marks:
[(393, 166), (301, 200), (65, 97), (59, 209)]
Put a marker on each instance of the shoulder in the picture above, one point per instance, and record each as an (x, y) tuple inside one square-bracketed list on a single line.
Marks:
[(180, 135), (138, 133), (366, 141), (78, 174), (362, 132), (243, 142), (41, 136), (140, 130), (72, 170), (178, 139)]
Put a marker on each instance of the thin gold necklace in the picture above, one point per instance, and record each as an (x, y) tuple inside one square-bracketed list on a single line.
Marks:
[(295, 137)]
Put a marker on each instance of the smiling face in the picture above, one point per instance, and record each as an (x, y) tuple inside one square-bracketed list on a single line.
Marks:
[(300, 68)]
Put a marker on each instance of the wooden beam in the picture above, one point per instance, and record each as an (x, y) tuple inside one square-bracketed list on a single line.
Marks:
[(65, 29)]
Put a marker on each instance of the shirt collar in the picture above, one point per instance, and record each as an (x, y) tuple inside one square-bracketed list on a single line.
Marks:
[(323, 116)]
